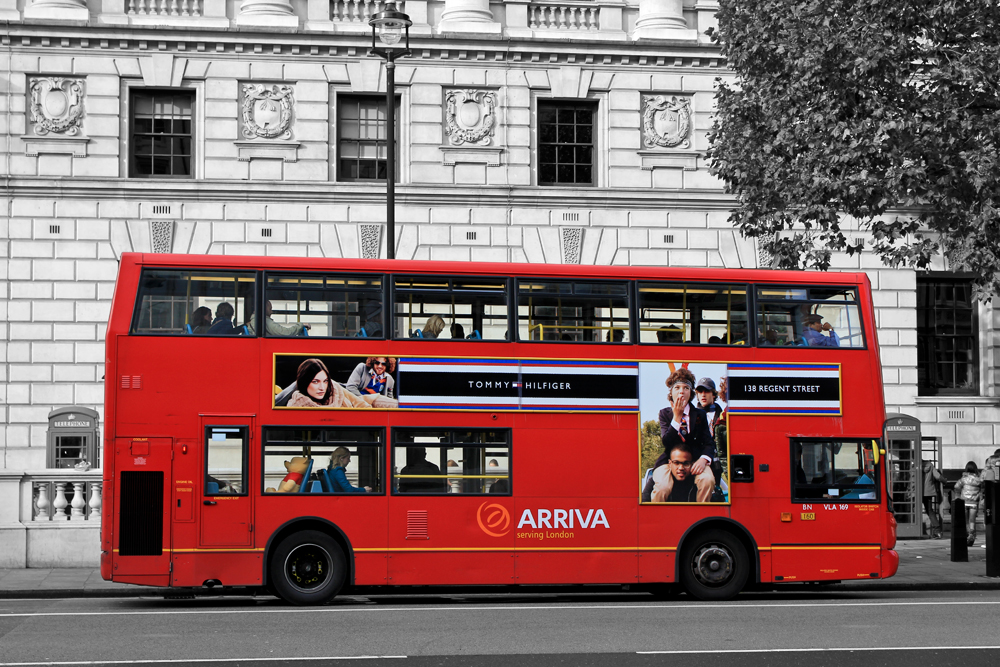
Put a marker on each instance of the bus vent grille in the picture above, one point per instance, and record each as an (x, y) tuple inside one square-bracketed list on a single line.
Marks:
[(131, 382), (140, 531), (416, 525)]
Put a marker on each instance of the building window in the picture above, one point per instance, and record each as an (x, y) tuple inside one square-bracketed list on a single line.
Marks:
[(566, 143), (361, 132), (161, 134), (947, 337)]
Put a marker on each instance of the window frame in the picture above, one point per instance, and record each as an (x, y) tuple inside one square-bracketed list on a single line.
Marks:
[(137, 303), (924, 387), (392, 445), (793, 468), (244, 460), (750, 311), (382, 447), (629, 306), (757, 302), (307, 274), (397, 127), (126, 121), (596, 162), (506, 280)]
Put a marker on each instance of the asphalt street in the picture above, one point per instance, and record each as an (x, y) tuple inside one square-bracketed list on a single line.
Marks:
[(932, 628)]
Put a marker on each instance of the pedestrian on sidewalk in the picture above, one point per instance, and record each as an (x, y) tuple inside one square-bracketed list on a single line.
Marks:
[(932, 497), (970, 489)]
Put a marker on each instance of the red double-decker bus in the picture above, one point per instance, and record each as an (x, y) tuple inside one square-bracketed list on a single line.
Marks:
[(307, 425)]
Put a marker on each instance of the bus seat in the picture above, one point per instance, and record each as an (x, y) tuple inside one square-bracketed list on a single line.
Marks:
[(417, 333), (282, 397), (361, 334), (244, 330), (305, 332), (324, 480), (313, 487), (188, 330), (305, 477), (474, 335), (211, 488)]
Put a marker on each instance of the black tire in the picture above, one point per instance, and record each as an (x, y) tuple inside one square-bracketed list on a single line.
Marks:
[(714, 565), (308, 568)]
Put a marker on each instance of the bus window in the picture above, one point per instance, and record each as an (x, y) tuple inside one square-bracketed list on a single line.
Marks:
[(183, 302), (833, 470), (809, 317), (450, 307), (573, 311), (686, 313), (334, 306), (312, 453), (225, 460), (465, 462)]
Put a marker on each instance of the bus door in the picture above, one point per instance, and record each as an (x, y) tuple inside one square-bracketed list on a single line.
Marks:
[(832, 528), (225, 498), (142, 517)]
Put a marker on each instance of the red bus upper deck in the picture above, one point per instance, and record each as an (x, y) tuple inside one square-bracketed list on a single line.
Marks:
[(310, 424)]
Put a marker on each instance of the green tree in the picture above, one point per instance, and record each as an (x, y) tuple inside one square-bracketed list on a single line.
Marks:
[(887, 112), (651, 444)]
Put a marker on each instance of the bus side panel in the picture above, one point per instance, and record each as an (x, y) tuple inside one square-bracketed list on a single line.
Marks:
[(594, 543)]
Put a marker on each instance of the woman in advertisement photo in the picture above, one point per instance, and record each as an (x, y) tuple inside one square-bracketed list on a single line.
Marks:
[(314, 389)]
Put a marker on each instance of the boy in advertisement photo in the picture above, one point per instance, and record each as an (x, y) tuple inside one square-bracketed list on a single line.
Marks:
[(681, 423)]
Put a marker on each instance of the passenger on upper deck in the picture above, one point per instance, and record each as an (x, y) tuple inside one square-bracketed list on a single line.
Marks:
[(433, 327), (371, 319), (814, 326), (201, 320), (273, 328), (223, 323), (457, 331)]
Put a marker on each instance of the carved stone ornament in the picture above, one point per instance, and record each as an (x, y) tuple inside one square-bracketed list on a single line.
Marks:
[(56, 105), (470, 117), (666, 122), (267, 111)]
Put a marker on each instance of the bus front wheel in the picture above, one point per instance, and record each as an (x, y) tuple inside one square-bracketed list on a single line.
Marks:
[(308, 568), (714, 565)]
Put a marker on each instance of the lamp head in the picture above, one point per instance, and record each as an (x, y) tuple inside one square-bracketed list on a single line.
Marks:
[(390, 25)]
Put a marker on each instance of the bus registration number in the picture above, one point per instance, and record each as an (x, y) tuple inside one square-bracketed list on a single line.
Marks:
[(809, 516)]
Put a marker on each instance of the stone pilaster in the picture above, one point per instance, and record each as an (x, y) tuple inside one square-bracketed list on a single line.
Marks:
[(277, 13), (468, 16), (58, 10), (662, 19)]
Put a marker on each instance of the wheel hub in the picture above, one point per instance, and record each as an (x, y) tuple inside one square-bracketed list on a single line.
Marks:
[(307, 567), (713, 565)]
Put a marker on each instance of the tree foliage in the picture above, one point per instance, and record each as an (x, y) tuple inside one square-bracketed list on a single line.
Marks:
[(651, 444), (887, 112)]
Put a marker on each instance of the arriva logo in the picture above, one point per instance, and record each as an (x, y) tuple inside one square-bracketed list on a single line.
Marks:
[(494, 519), (563, 519)]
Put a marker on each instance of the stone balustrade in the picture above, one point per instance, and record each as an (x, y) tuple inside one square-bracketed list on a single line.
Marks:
[(50, 518), (621, 20)]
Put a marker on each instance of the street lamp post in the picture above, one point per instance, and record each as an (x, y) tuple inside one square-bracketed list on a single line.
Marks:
[(390, 25)]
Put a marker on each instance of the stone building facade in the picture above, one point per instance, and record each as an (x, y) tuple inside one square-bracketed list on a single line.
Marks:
[(272, 115)]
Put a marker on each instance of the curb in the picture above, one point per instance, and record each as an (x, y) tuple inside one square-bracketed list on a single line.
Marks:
[(184, 594)]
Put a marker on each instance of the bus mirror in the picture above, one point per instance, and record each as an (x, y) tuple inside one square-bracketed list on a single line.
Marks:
[(875, 452)]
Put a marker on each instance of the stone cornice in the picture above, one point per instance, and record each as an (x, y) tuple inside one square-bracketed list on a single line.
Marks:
[(355, 193), (215, 42)]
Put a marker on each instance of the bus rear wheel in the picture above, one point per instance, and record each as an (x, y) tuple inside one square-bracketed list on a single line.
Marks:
[(714, 565), (308, 568)]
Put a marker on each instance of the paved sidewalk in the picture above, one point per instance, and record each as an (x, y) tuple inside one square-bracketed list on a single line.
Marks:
[(923, 565)]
